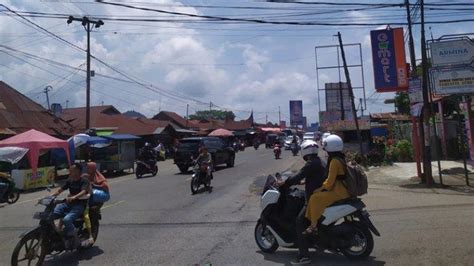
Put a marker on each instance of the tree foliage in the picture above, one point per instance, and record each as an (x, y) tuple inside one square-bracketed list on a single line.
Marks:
[(212, 114), (402, 102)]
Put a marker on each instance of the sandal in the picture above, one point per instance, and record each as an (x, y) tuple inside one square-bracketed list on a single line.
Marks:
[(310, 230)]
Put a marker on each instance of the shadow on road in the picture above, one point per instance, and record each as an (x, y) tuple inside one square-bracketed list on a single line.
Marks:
[(74, 258), (318, 258), (455, 188)]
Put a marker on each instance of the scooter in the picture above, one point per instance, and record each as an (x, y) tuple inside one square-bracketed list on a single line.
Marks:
[(202, 176), (12, 194), (146, 167), (294, 149), (344, 227), (277, 151)]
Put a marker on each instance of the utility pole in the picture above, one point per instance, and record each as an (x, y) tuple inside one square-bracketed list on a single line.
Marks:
[(210, 106), (187, 114), (86, 22), (67, 103), (426, 105), (279, 116), (411, 44), (46, 90), (266, 118), (361, 108), (351, 93)]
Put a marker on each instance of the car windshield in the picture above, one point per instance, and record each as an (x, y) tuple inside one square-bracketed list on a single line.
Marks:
[(188, 145)]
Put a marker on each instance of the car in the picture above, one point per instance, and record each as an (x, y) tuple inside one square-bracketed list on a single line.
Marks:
[(271, 139), (309, 136), (188, 150), (289, 140)]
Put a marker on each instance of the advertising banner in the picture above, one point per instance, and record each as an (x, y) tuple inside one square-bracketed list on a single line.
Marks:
[(333, 97), (388, 55), (454, 52), (25, 179), (296, 113), (415, 92)]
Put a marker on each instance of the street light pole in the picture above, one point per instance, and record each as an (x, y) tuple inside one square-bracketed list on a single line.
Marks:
[(46, 90), (86, 22)]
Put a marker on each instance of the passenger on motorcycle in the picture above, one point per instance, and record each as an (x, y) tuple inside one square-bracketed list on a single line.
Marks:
[(313, 172), (100, 194), (74, 206), (332, 189)]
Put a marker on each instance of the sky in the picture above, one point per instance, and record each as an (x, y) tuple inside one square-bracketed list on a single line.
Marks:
[(175, 61)]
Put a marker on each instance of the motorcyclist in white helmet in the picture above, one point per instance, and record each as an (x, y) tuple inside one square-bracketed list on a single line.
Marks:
[(332, 189), (314, 174)]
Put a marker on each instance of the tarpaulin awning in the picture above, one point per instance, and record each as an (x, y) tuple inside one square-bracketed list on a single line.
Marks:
[(35, 141), (12, 154), (221, 133)]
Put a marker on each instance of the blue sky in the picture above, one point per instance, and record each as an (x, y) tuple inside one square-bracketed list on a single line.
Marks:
[(236, 66)]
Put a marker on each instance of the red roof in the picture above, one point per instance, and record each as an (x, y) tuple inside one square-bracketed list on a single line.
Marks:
[(105, 116), (175, 118), (18, 113)]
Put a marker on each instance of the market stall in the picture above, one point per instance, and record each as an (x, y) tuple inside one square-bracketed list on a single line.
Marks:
[(119, 155), (36, 142)]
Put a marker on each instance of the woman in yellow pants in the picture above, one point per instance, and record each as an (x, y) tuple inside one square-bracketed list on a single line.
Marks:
[(332, 189)]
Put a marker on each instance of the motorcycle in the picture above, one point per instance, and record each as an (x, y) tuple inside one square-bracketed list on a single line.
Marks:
[(146, 167), (255, 145), (277, 151), (242, 146), (236, 147), (344, 227), (47, 237), (294, 149), (202, 176), (12, 194)]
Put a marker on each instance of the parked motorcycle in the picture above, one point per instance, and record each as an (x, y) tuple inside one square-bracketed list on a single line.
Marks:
[(344, 227), (294, 149), (146, 167), (12, 194), (47, 237), (277, 151), (202, 176)]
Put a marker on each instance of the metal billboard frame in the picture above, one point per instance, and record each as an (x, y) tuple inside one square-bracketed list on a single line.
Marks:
[(339, 67)]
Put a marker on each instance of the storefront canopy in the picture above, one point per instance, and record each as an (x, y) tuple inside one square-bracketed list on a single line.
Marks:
[(35, 141), (221, 133), (12, 154)]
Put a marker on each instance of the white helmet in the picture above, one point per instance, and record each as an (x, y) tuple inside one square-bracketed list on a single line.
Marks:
[(333, 143), (309, 147)]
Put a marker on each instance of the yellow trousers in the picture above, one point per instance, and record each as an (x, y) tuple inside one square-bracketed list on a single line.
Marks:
[(87, 220), (318, 202)]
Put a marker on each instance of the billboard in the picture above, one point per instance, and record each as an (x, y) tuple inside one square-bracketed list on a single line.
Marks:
[(333, 98), (388, 56), (296, 113)]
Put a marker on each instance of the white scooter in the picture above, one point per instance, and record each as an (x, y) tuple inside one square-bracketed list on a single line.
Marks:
[(344, 227)]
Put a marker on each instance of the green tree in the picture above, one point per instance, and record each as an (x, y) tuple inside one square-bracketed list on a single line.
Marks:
[(402, 102), (212, 114)]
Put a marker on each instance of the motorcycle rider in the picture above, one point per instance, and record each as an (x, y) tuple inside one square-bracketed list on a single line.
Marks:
[(74, 206), (205, 157), (314, 174), (147, 154)]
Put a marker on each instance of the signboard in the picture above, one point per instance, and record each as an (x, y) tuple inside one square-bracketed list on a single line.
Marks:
[(415, 92), (459, 80), (24, 178), (454, 52), (388, 55), (296, 113), (331, 120), (415, 109), (333, 98)]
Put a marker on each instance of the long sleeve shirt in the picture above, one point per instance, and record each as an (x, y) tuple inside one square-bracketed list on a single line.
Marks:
[(336, 168), (314, 174)]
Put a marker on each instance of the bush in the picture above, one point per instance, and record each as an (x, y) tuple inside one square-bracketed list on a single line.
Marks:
[(405, 151)]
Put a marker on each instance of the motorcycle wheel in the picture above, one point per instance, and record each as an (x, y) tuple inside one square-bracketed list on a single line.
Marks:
[(155, 170), (183, 168), (362, 242), (194, 185), (139, 172), (266, 241), (13, 197), (30, 250), (231, 161)]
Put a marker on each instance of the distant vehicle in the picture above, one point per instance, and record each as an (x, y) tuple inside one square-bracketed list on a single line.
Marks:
[(289, 140), (309, 136), (188, 150), (325, 135), (270, 140)]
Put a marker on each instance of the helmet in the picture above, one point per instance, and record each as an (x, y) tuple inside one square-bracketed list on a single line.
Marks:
[(147, 144), (333, 143), (309, 147)]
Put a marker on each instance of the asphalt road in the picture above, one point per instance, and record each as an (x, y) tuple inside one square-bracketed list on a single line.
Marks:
[(156, 220)]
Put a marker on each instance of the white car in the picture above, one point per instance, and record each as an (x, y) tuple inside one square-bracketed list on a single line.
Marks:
[(288, 142)]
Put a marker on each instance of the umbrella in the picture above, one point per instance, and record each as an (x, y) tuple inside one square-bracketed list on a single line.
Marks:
[(221, 133)]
